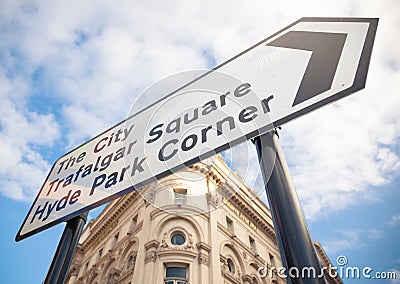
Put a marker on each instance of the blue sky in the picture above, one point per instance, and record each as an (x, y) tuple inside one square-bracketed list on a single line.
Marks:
[(71, 69)]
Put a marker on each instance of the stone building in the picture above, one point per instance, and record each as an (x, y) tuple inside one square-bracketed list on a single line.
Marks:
[(199, 225)]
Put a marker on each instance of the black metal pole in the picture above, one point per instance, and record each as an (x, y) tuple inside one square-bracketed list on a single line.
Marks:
[(297, 250), (66, 249)]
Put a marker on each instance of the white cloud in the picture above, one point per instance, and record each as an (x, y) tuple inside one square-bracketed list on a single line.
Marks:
[(397, 278), (395, 220), (374, 234), (22, 169), (344, 241)]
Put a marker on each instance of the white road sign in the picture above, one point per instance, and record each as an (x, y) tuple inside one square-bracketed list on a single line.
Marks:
[(308, 64)]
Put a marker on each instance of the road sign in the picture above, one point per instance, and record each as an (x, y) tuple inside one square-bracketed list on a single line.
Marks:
[(308, 64)]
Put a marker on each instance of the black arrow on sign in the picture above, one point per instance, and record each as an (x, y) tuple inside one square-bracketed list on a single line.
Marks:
[(326, 50)]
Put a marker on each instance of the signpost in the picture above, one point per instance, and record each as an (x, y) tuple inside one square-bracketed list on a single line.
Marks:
[(308, 64), (66, 249), (295, 244)]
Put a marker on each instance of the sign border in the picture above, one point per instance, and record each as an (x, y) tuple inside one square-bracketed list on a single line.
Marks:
[(358, 84)]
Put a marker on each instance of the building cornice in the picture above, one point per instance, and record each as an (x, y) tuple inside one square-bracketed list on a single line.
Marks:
[(108, 222), (326, 261), (183, 209), (176, 253), (203, 246), (151, 244), (248, 210)]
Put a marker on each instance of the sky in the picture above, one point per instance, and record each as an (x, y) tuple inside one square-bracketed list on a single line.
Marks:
[(71, 69)]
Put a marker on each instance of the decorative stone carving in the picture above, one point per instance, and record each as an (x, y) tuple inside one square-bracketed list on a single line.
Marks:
[(152, 256), (151, 196), (224, 264), (74, 270), (190, 245), (130, 264), (164, 241), (247, 279), (203, 259), (212, 200), (113, 277)]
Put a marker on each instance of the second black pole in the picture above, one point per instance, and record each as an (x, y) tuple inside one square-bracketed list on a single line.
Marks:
[(295, 244)]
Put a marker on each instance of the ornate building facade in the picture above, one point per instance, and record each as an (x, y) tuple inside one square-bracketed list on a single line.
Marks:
[(199, 225)]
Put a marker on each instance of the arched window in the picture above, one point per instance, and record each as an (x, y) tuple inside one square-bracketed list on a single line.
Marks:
[(130, 264), (113, 276), (231, 266), (254, 281)]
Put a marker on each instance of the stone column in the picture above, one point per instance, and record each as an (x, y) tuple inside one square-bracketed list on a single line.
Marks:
[(149, 260), (204, 261)]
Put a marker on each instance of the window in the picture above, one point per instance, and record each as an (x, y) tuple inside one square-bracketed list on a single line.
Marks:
[(254, 281), (231, 266), (100, 253), (229, 224), (180, 196), (252, 244), (134, 221), (272, 260), (175, 275), (116, 238), (110, 279), (178, 239)]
